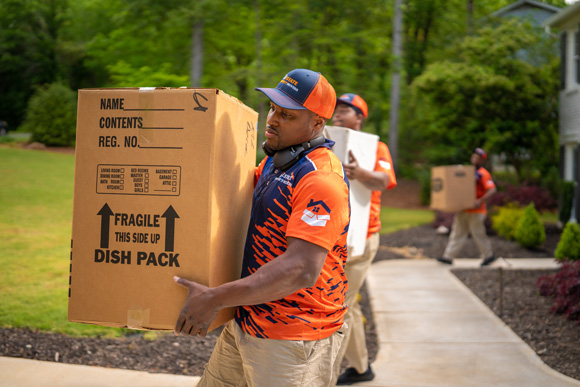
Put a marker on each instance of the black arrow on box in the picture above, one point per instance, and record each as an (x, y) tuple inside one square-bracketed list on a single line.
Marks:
[(105, 213), (170, 215)]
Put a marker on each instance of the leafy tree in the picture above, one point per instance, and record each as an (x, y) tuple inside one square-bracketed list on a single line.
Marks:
[(29, 51), (244, 44), (488, 94)]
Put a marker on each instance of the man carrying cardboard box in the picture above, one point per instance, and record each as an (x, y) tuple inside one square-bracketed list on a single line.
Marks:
[(471, 221), (351, 111), (290, 300)]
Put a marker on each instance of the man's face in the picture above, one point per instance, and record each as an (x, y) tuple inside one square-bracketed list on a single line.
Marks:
[(287, 127), (476, 160), (347, 117)]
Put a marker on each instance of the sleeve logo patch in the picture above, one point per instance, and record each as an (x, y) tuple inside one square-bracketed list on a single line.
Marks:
[(385, 164), (316, 214)]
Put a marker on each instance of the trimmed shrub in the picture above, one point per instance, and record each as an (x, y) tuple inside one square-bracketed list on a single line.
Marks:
[(506, 220), (530, 231), (51, 116), (566, 200), (569, 245), (564, 288)]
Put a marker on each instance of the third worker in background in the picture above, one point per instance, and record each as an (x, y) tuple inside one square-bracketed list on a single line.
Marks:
[(351, 112), (471, 221)]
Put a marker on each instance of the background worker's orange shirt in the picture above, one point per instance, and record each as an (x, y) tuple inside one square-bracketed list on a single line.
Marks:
[(483, 183), (383, 164)]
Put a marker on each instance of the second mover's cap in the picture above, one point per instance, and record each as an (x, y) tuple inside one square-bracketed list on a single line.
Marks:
[(302, 89), (355, 101), (481, 153)]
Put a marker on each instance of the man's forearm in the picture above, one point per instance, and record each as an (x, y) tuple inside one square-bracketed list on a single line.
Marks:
[(294, 270), (375, 181), (488, 194), (272, 281)]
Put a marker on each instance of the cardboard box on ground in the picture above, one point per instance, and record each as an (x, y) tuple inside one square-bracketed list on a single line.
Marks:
[(163, 186), (364, 147), (452, 187)]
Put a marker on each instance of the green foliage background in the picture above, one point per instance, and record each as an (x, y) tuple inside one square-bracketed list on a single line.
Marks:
[(493, 92), (468, 79)]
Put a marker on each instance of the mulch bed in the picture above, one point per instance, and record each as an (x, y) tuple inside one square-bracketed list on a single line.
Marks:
[(164, 354), (555, 339), (160, 353)]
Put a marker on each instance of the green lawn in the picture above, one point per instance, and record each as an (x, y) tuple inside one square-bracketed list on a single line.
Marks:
[(394, 219), (36, 195), (549, 217)]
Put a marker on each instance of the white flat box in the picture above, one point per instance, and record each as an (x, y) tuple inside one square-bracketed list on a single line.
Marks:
[(364, 147)]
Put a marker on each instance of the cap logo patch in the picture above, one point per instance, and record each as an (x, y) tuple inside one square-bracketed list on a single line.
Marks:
[(292, 83)]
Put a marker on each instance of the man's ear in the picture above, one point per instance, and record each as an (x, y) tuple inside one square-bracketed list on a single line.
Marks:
[(318, 122)]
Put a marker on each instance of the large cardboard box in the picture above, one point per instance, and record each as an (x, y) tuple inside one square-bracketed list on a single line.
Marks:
[(452, 187), (364, 147), (163, 186)]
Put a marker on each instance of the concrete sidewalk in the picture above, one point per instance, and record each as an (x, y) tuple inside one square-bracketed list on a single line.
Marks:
[(432, 330), (15, 372)]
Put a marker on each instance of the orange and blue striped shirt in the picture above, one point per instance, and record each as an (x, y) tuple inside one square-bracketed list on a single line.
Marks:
[(308, 201)]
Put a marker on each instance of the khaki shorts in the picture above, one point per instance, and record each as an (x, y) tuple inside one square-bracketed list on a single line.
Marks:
[(240, 359)]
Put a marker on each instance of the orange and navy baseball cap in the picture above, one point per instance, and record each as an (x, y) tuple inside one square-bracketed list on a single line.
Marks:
[(481, 153), (356, 102), (303, 89)]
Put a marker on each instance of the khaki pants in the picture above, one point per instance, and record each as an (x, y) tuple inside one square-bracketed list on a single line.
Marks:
[(354, 347), (466, 223), (240, 359)]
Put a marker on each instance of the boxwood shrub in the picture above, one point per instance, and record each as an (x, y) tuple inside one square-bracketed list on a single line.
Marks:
[(530, 231)]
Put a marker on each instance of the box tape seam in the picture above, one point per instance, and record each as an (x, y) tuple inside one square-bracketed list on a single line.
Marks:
[(137, 317)]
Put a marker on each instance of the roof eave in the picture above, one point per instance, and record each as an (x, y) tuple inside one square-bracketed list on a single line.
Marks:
[(564, 16), (515, 5)]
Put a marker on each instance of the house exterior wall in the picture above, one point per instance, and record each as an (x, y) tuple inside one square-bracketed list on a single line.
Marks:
[(567, 21), (570, 113), (570, 95)]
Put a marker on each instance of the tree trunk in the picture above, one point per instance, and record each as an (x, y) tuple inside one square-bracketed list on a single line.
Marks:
[(395, 88), (430, 17), (196, 70), (469, 17)]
